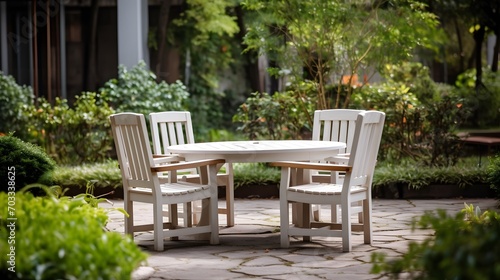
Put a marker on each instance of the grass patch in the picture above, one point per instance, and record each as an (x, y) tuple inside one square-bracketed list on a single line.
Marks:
[(99, 175), (465, 173)]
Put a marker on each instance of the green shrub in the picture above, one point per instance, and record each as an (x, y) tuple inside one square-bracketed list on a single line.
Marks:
[(483, 101), (137, 91), (422, 117), (414, 175), (494, 174), (62, 239), (28, 162), (12, 98), (283, 115), (72, 135), (465, 246)]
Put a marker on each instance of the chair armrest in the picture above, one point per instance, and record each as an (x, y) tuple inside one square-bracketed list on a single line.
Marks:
[(186, 165), (312, 165), (341, 158), (159, 159)]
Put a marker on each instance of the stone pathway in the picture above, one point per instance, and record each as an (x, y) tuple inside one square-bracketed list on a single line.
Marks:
[(251, 248)]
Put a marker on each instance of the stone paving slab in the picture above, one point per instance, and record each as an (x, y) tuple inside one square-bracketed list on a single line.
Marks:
[(251, 249)]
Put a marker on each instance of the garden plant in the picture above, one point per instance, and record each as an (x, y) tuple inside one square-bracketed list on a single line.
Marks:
[(29, 162), (62, 238), (464, 246)]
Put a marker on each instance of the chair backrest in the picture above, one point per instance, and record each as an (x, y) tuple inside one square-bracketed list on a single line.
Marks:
[(365, 147), (170, 128), (335, 125), (133, 149)]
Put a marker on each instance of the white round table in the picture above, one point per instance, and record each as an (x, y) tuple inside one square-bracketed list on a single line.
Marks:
[(259, 151), (255, 151)]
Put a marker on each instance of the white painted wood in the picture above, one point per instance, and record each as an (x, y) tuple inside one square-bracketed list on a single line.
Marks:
[(356, 186), (333, 125), (141, 183), (259, 151), (175, 128)]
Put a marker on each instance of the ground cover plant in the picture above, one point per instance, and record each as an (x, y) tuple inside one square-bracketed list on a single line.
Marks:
[(465, 246), (62, 238), (414, 175), (408, 173)]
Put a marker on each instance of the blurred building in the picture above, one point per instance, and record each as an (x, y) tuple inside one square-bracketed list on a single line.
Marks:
[(63, 47)]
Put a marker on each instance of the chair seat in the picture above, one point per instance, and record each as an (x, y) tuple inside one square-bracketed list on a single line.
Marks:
[(324, 189), (174, 189)]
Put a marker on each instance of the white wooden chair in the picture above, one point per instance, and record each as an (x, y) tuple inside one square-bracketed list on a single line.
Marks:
[(141, 183), (355, 187), (175, 128), (333, 125)]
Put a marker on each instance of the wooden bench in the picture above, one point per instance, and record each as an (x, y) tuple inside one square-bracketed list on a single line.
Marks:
[(481, 141)]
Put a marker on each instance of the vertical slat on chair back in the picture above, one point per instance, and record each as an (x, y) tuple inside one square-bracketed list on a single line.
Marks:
[(170, 128), (132, 146), (335, 125), (365, 146)]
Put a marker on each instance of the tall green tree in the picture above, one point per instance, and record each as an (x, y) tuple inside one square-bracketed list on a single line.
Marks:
[(332, 42)]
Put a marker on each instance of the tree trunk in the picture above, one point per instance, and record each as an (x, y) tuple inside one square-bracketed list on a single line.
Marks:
[(162, 34), (496, 50), (460, 46), (250, 57), (91, 80), (479, 39)]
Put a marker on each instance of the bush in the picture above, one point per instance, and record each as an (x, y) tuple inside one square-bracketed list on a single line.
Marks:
[(422, 117), (278, 116), (494, 174), (62, 239), (483, 101), (414, 175), (30, 162), (465, 246), (12, 98), (137, 91), (72, 135)]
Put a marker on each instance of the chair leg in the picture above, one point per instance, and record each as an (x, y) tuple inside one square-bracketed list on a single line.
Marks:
[(230, 198), (285, 208), (335, 213), (158, 226), (284, 223), (214, 221), (196, 206), (346, 227), (316, 212), (173, 216), (214, 207), (306, 222), (129, 221), (367, 221), (188, 214)]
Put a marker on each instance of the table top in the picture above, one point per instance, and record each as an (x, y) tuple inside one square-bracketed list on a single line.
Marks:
[(259, 151)]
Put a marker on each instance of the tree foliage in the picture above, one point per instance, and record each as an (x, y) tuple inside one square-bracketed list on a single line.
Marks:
[(328, 41)]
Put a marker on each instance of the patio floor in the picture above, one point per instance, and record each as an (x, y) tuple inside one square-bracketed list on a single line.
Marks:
[(251, 248)]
